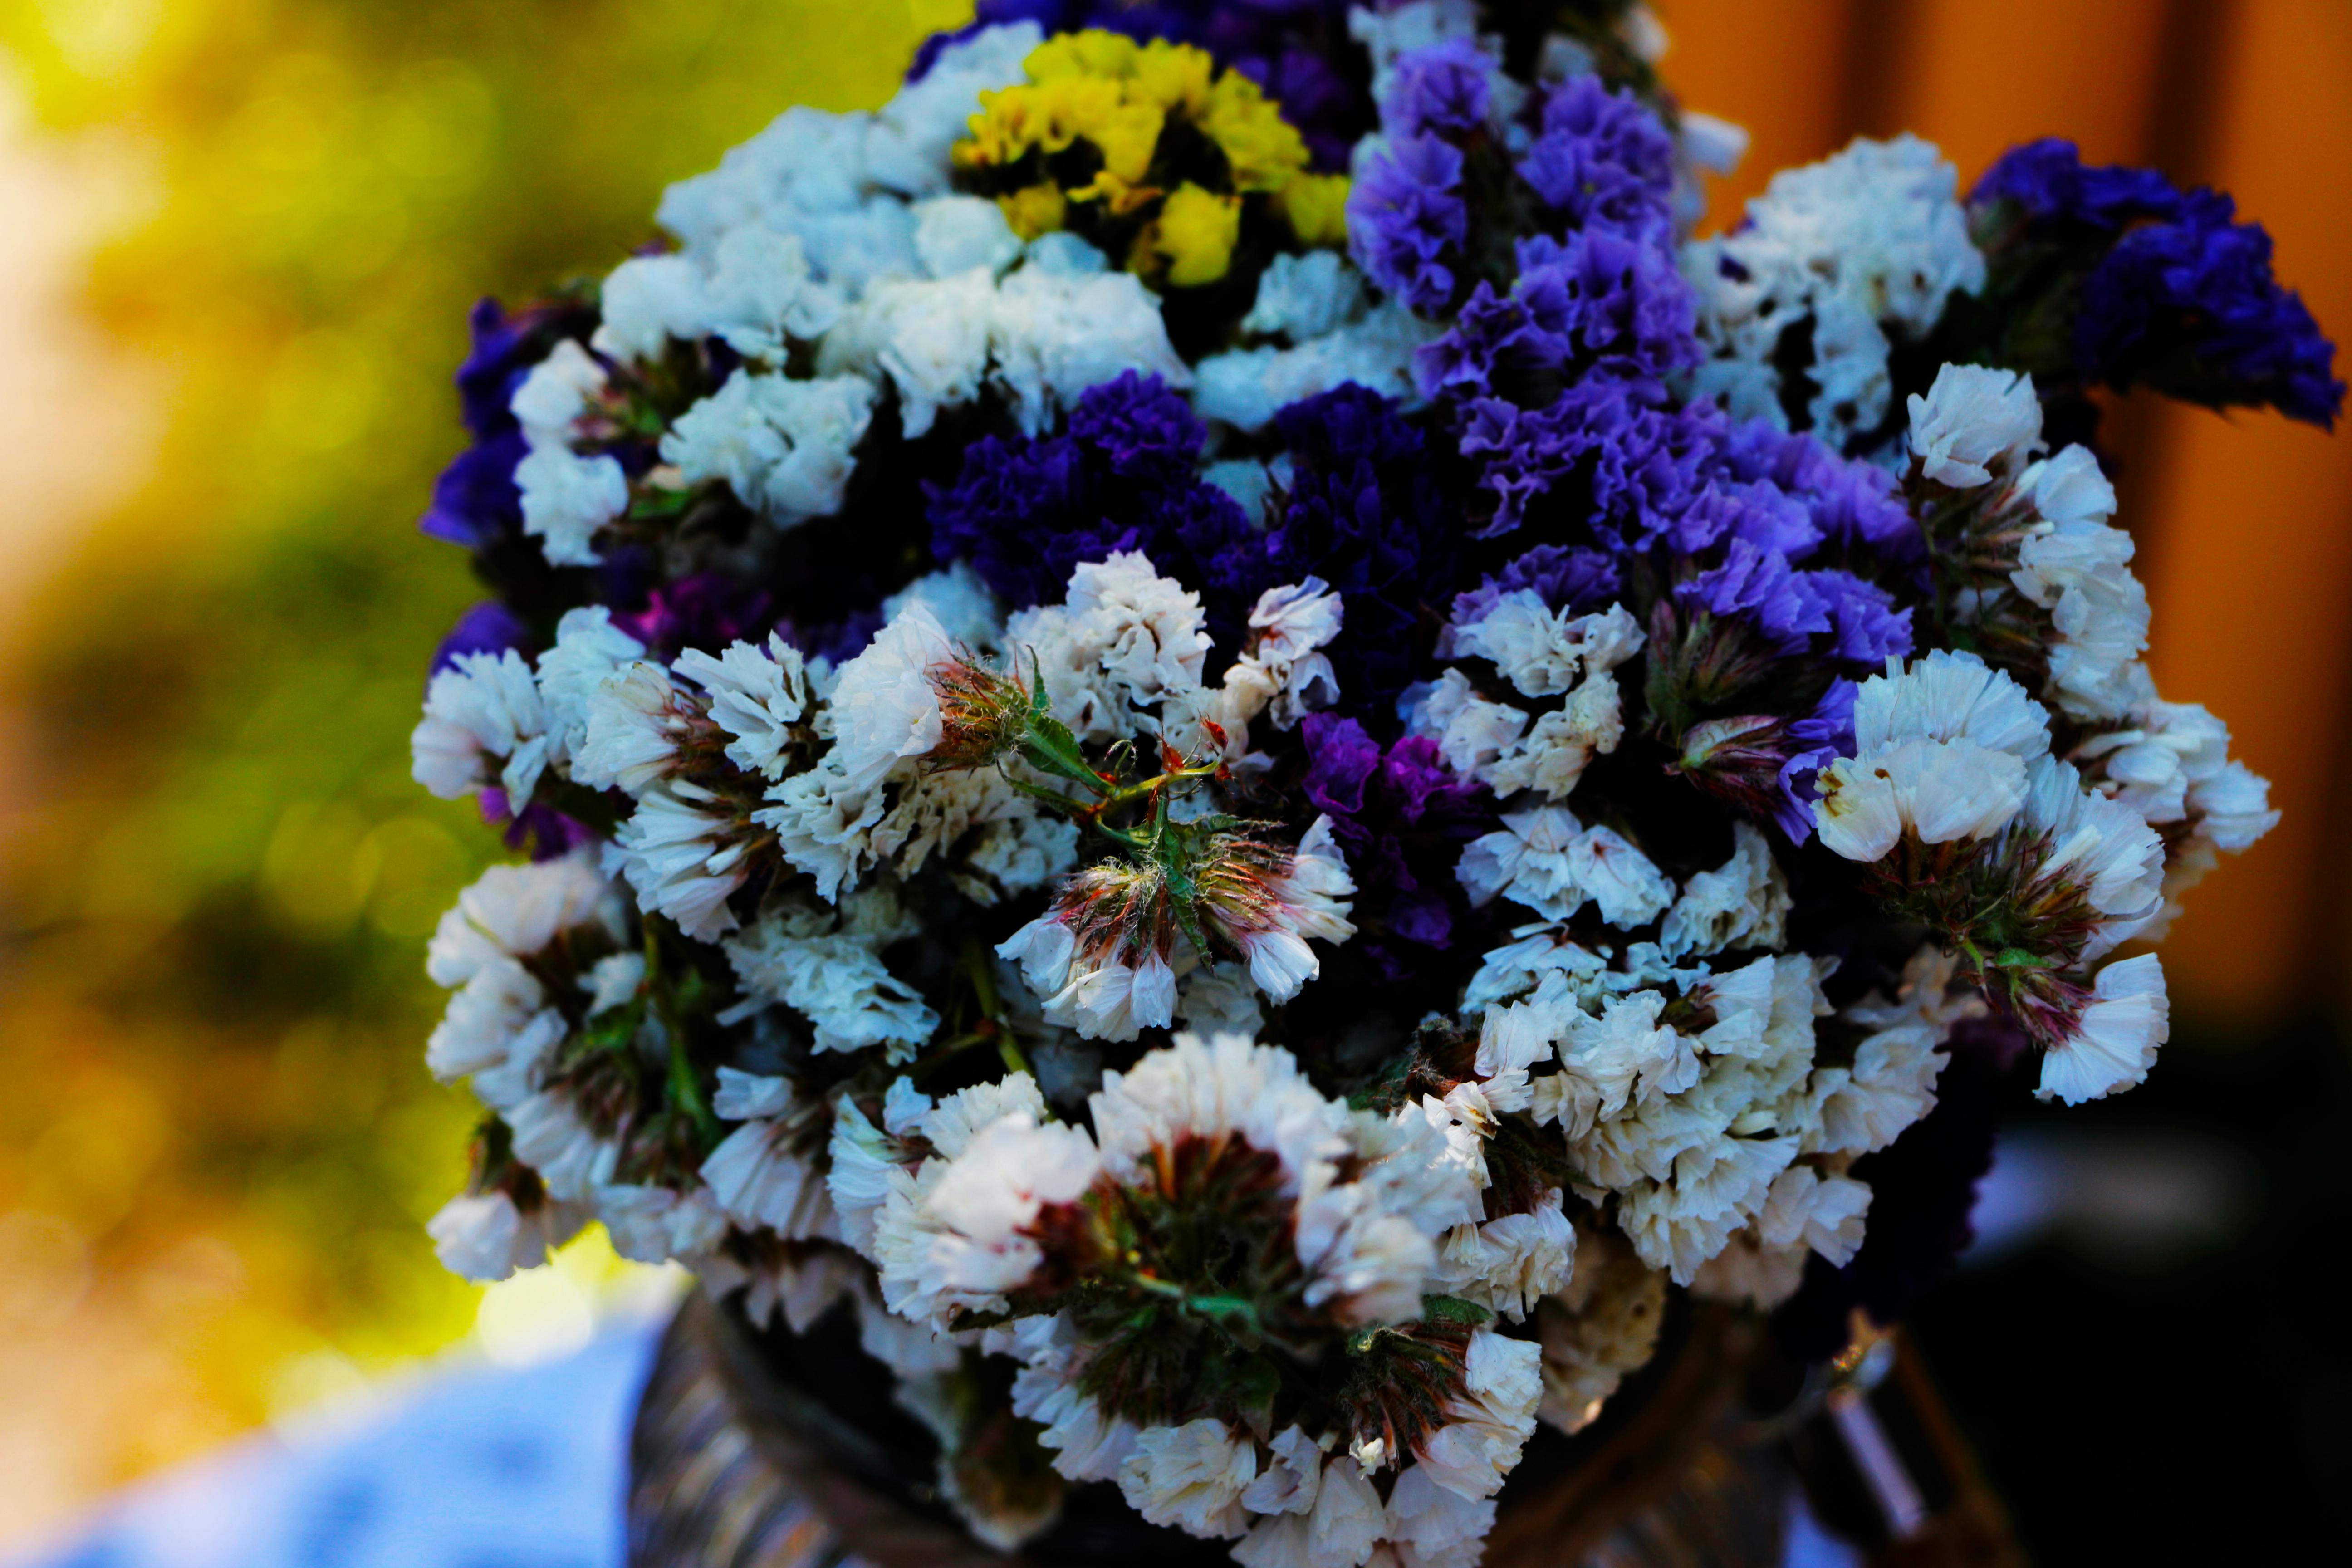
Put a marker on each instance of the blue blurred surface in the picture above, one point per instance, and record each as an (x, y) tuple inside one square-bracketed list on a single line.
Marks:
[(472, 1467)]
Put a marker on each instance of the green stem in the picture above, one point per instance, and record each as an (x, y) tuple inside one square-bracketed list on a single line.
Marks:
[(984, 985), (684, 1089)]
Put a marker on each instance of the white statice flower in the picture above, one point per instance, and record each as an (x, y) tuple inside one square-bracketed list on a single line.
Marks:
[(635, 721), (862, 1160), (1303, 296), (1489, 1421), (486, 1238), (761, 292), (566, 498), (837, 983), (1190, 1477), (1508, 1264), (1545, 859), (556, 393), (650, 1224), (1245, 388), (2074, 565), (1864, 1105), (823, 822), (1278, 913), (1688, 1130), (761, 1174), (482, 707), (1311, 1507), (501, 1025), (552, 1137), (1087, 1442), (588, 650), (758, 696), (1870, 245), (2079, 839), (1104, 996), (953, 1238), (1600, 1326), (2114, 1042), (645, 303), (1284, 670), (839, 182), (1535, 952), (1542, 651), (1433, 1526), (1941, 752), (885, 709), (1125, 640), (955, 234), (1744, 902), (684, 851), (1472, 733), (930, 336), (962, 605), (785, 447), (1053, 335), (1975, 422)]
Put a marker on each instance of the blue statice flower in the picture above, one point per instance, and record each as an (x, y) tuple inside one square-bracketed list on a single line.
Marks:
[(1564, 577), (1601, 161), (1122, 475), (2173, 291), (487, 627), (1365, 513)]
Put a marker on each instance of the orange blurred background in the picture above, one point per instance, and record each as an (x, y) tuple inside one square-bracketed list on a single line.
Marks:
[(158, 305)]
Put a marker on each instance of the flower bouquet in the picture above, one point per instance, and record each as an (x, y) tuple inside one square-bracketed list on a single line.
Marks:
[(1218, 750)]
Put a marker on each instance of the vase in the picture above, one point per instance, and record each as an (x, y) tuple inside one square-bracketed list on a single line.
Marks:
[(763, 1447)]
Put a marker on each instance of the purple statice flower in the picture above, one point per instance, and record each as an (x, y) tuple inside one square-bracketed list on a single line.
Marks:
[(706, 609), (487, 627), (1759, 587), (1120, 477), (1855, 504), (1407, 220), (541, 830), (1365, 513), (1440, 91), (1600, 453), (2173, 291), (1601, 161), (1866, 627), (1597, 305), (1563, 577), (1401, 818)]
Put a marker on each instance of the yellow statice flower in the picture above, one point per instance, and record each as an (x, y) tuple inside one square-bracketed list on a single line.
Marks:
[(1038, 209), (1176, 76), (1196, 232), (1095, 52), (1316, 207), (1117, 96), (1265, 150)]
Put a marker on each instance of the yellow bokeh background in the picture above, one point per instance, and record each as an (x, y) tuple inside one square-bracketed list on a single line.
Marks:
[(264, 220)]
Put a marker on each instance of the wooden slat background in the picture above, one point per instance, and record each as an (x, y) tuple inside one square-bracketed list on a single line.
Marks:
[(2242, 521)]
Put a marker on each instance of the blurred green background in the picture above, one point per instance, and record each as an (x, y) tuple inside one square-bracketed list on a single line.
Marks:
[(217, 1142)]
